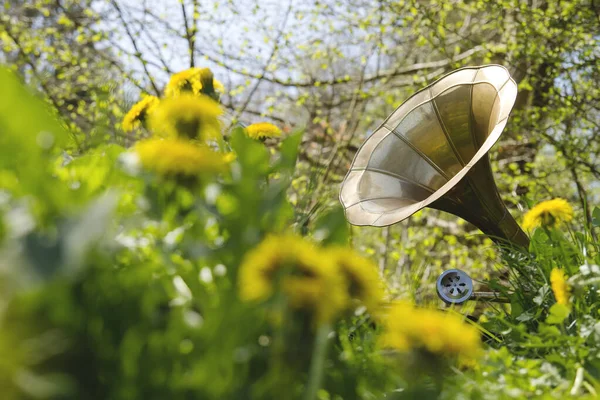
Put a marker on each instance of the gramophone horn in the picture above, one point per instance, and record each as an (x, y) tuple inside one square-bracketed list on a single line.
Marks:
[(432, 151)]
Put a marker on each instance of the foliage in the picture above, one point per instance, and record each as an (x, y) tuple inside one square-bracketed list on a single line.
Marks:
[(121, 260), (58, 48), (338, 68)]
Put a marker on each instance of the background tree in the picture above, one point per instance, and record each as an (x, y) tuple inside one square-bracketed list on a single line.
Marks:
[(59, 48), (338, 68)]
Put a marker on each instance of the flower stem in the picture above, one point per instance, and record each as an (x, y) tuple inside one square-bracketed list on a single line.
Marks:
[(317, 363)]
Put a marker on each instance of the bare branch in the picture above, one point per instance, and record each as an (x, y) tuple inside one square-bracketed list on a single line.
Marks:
[(138, 53), (190, 30), (267, 64)]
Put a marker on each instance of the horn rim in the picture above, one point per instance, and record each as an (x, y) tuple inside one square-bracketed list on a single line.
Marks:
[(479, 154)]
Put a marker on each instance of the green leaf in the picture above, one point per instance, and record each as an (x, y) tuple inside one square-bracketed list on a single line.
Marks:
[(25, 122), (30, 141), (289, 151), (524, 317), (542, 293), (556, 358), (331, 227), (549, 330), (596, 216), (558, 313), (516, 309), (251, 154)]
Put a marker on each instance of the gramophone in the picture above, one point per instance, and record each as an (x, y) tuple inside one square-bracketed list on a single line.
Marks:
[(432, 152)]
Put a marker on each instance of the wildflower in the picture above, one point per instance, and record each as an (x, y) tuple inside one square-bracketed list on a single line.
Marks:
[(548, 214), (306, 276), (362, 278), (176, 157), (560, 288), (230, 157), (138, 114), (262, 130), (219, 87), (193, 80), (467, 363), (187, 116), (436, 332)]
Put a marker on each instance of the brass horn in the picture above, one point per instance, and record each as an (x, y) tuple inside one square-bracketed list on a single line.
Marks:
[(432, 152)]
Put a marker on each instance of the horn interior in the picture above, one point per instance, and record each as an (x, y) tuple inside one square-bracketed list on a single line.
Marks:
[(427, 145)]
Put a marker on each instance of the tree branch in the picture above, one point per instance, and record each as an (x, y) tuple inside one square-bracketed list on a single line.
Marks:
[(267, 64), (138, 53)]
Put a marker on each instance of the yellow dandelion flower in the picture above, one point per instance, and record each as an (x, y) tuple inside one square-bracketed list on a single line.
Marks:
[(177, 157), (440, 333), (262, 130), (187, 116), (193, 80), (549, 213), (467, 363), (560, 288), (139, 113), (362, 277), (230, 157), (305, 275), (219, 87), (184, 81)]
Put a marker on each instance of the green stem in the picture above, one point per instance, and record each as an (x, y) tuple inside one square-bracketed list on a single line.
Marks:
[(317, 363), (540, 346), (590, 378), (280, 383)]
